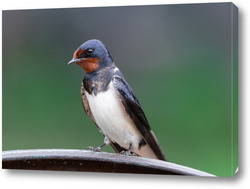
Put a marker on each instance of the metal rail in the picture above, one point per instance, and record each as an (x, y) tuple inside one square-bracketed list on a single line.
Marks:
[(88, 161)]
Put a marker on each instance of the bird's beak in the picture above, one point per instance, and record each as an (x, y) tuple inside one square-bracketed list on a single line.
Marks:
[(74, 60)]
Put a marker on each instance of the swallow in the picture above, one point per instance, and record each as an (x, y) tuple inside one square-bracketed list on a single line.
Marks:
[(112, 105)]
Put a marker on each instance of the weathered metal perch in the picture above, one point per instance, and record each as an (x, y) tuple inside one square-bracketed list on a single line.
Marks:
[(85, 160)]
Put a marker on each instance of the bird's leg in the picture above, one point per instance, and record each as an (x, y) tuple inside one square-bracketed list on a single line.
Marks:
[(99, 148), (128, 152)]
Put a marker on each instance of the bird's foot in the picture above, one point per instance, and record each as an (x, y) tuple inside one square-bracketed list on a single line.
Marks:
[(98, 149), (127, 153)]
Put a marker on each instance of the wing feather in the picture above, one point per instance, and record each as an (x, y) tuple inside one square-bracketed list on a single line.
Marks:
[(86, 104), (133, 108)]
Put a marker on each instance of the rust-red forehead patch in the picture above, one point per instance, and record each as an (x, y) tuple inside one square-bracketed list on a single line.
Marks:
[(77, 53)]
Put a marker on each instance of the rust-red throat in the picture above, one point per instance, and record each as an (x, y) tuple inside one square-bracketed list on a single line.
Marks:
[(88, 64)]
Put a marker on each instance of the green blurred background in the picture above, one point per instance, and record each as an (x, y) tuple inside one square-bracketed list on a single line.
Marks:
[(177, 59)]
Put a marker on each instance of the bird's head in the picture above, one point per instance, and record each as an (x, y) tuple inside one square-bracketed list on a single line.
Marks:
[(92, 56)]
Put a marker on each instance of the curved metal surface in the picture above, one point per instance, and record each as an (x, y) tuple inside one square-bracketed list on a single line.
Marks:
[(88, 161)]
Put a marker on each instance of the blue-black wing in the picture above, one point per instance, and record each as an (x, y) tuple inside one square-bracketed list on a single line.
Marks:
[(133, 108)]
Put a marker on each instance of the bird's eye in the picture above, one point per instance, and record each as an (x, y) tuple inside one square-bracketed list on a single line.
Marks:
[(89, 51)]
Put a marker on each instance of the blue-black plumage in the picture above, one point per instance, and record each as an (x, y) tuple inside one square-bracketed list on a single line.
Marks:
[(111, 103)]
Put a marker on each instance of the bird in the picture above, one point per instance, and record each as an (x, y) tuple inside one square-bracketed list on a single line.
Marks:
[(112, 105)]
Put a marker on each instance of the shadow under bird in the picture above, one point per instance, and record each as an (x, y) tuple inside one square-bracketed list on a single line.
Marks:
[(111, 103)]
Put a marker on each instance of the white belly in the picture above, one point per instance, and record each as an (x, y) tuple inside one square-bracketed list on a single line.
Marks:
[(112, 119)]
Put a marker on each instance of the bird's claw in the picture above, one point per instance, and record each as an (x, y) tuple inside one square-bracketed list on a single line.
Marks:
[(127, 153), (95, 149)]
